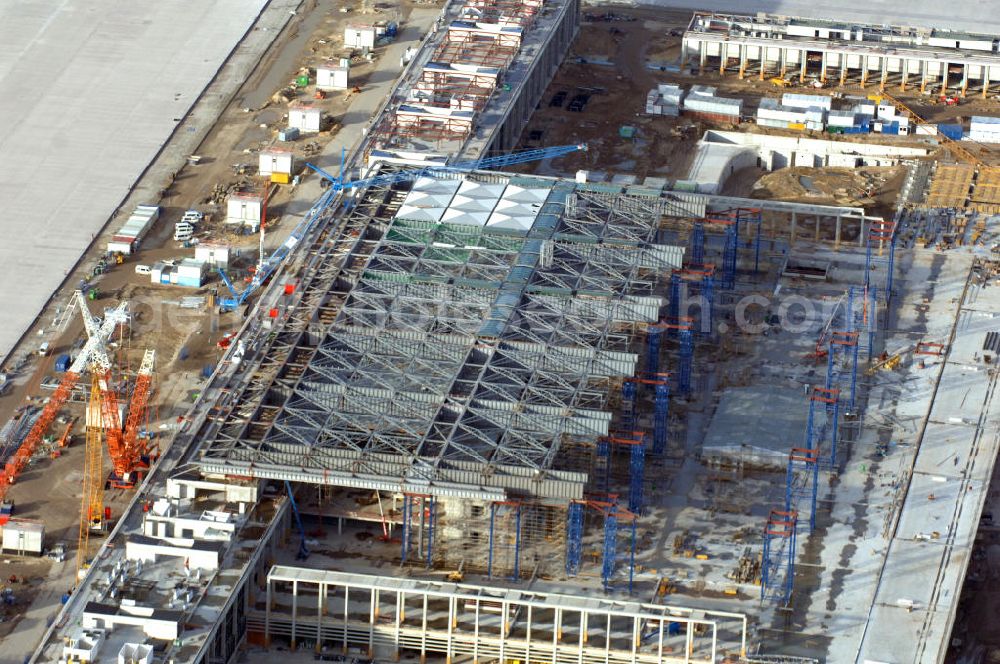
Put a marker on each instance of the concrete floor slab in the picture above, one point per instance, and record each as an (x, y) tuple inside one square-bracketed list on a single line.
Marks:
[(962, 15)]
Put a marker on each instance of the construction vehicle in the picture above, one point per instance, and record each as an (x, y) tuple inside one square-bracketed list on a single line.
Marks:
[(266, 266), (97, 337), (779, 82), (890, 361)]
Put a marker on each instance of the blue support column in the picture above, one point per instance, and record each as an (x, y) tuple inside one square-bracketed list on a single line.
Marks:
[(631, 559), (574, 538), (604, 451), (406, 528), (698, 243), (802, 483), (685, 360), (637, 466), (610, 546), (628, 404), (653, 349), (729, 256), (778, 561), (430, 531), (674, 305), (708, 295), (661, 418)]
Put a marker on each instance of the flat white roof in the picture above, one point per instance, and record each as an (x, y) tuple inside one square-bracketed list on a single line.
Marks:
[(108, 80)]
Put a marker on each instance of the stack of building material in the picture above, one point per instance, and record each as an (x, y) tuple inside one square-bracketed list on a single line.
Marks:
[(128, 237), (703, 103), (984, 129), (664, 100)]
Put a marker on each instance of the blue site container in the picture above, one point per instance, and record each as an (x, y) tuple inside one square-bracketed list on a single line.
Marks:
[(952, 131), (206, 371), (890, 128), (63, 362)]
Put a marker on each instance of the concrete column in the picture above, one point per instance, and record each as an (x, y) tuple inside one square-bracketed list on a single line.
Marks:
[(703, 58), (923, 75), (843, 68), (347, 613), (320, 596), (986, 80), (399, 621), (452, 619), (763, 62), (423, 634), (803, 63), (743, 60), (965, 79), (372, 616), (904, 64), (792, 233), (885, 73), (267, 616), (944, 78), (724, 58), (475, 643), (836, 234), (295, 609), (864, 70), (822, 73)]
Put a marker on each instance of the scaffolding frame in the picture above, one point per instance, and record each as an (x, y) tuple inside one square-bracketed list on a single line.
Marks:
[(843, 349), (454, 621), (778, 561), (880, 251), (802, 483), (635, 443), (820, 436), (515, 506), (403, 382), (701, 279)]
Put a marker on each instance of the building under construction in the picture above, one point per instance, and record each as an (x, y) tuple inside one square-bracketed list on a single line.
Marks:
[(485, 416)]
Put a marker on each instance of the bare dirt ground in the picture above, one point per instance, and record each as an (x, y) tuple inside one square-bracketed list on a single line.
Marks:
[(853, 187), (185, 339)]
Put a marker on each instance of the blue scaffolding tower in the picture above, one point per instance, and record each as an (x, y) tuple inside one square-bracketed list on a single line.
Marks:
[(574, 538), (700, 282), (880, 256), (698, 243), (802, 483), (614, 517), (629, 393), (614, 514), (661, 417), (822, 435), (730, 222), (635, 442), (425, 507), (660, 383), (778, 562), (842, 364), (862, 316), (495, 508), (685, 360), (653, 340)]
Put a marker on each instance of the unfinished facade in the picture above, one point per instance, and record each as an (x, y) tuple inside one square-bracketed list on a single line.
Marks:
[(766, 45)]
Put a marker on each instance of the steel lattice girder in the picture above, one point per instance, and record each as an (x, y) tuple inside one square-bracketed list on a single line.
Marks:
[(408, 386)]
